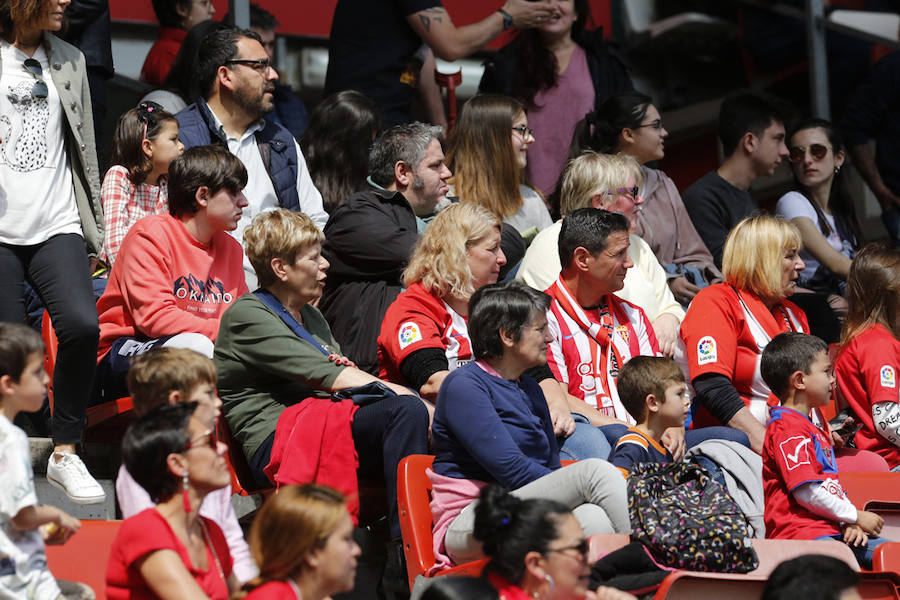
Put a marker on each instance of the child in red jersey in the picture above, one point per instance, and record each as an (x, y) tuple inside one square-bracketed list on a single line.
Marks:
[(804, 499)]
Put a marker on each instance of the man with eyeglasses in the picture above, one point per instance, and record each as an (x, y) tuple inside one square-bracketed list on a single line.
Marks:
[(237, 79), (751, 129), (386, 48)]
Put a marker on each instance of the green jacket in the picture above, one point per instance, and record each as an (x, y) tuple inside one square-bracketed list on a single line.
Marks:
[(263, 367)]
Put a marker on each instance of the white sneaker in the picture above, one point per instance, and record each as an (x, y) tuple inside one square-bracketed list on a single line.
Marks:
[(71, 476)]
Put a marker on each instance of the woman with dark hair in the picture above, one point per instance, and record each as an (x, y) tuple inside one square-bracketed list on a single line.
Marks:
[(492, 425), (536, 548), (559, 71), (170, 551), (629, 123), (822, 209), (182, 86), (51, 230), (302, 540), (176, 18), (869, 359), (336, 145), (487, 154)]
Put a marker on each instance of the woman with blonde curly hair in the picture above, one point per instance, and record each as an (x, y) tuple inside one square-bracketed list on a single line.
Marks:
[(728, 324), (487, 154), (302, 540), (424, 334)]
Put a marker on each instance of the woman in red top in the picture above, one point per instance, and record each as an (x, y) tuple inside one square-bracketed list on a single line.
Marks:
[(536, 549), (866, 367), (728, 324), (302, 540), (170, 551)]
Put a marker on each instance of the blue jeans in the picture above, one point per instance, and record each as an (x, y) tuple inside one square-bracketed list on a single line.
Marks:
[(863, 554), (597, 442)]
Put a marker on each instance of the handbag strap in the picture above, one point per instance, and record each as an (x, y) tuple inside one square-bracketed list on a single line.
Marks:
[(269, 299)]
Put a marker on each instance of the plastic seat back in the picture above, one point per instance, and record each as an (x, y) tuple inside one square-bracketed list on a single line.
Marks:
[(85, 556)]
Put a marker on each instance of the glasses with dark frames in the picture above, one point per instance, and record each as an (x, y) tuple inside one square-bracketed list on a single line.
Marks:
[(583, 548), (39, 90), (631, 192), (260, 65), (525, 132), (206, 440), (817, 151), (657, 124)]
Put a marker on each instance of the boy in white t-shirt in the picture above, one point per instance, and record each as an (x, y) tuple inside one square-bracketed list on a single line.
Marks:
[(24, 525)]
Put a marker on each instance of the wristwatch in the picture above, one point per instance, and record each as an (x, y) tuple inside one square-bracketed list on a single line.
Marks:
[(507, 19)]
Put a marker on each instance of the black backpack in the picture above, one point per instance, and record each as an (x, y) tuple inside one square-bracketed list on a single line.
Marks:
[(687, 521)]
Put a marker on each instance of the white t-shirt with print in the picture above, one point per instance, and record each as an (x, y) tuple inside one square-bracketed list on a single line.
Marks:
[(37, 197), (793, 205), (23, 563)]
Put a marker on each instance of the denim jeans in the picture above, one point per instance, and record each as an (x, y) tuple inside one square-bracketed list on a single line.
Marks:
[(864, 554), (58, 271)]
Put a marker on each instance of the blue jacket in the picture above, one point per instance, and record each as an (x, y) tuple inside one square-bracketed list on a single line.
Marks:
[(197, 127)]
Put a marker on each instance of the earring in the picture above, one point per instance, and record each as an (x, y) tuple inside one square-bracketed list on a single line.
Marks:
[(837, 169), (185, 497), (551, 582)]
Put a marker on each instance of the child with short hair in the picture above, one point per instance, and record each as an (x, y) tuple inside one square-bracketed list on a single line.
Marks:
[(804, 498), (163, 376), (653, 390), (24, 525)]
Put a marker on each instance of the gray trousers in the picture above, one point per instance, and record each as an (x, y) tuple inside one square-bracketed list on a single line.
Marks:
[(592, 489)]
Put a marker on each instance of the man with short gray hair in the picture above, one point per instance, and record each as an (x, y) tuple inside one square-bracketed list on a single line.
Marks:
[(371, 236)]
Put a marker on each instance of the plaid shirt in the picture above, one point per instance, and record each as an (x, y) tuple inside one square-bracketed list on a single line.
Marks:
[(124, 204)]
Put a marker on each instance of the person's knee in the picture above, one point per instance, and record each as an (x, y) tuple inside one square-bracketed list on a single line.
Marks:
[(410, 410), (77, 328), (192, 341)]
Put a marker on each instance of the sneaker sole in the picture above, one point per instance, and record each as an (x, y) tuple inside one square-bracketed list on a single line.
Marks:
[(76, 499)]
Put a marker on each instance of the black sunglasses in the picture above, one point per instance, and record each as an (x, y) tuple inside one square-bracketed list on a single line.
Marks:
[(583, 548), (40, 87), (817, 151)]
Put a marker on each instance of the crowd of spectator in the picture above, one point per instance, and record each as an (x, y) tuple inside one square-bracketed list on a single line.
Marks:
[(354, 296)]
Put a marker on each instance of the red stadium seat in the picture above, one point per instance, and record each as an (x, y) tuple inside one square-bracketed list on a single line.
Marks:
[(85, 556), (876, 492), (690, 585), (413, 497), (119, 409)]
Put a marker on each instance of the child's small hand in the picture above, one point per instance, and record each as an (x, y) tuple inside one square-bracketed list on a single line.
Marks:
[(869, 522), (60, 529), (854, 535)]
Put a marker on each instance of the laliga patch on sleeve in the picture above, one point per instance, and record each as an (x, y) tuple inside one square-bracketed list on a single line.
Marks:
[(409, 334), (888, 376), (795, 451), (707, 351)]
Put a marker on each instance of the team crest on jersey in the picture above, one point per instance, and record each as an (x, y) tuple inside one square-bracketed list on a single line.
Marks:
[(888, 376), (622, 330), (795, 451), (707, 351), (409, 333)]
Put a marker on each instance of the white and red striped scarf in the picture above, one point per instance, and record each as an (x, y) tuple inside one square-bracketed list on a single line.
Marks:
[(580, 352)]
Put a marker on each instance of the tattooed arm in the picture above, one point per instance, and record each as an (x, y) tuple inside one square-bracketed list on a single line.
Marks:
[(450, 43)]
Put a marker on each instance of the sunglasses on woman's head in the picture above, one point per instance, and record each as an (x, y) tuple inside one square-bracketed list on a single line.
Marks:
[(817, 151), (39, 90)]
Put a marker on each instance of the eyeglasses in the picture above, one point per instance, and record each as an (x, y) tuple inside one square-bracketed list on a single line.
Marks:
[(40, 87), (631, 192), (525, 132), (209, 437), (145, 112), (817, 151), (657, 124), (260, 65), (582, 547)]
